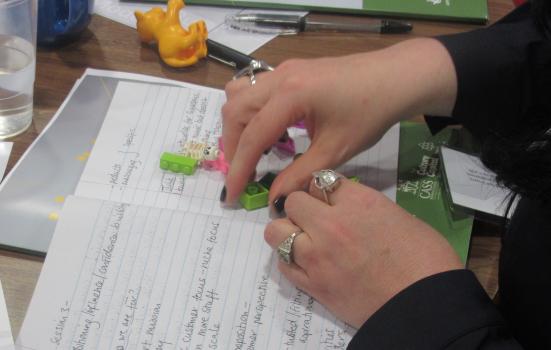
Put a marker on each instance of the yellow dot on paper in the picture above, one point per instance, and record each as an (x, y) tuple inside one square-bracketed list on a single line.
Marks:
[(59, 199), (82, 157), (53, 216)]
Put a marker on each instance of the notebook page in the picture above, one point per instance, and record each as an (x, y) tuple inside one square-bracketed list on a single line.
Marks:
[(121, 276), (144, 120)]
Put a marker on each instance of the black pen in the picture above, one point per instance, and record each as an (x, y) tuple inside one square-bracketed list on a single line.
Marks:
[(293, 24), (228, 56)]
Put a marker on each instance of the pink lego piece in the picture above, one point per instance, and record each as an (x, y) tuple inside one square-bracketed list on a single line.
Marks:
[(219, 164), (287, 146), (300, 124)]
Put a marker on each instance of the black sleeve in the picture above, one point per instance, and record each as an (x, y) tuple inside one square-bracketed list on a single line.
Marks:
[(495, 72), (449, 310)]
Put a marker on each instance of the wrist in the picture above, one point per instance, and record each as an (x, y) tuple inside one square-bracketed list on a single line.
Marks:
[(417, 77)]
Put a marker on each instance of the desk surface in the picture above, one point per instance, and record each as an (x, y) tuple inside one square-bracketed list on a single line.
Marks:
[(110, 45)]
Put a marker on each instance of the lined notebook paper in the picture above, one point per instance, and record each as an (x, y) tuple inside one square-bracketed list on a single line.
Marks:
[(146, 259), (134, 277)]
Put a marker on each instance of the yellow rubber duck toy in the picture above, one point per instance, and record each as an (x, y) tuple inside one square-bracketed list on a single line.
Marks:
[(177, 47)]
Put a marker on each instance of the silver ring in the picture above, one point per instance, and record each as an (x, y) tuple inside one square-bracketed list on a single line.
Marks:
[(327, 181), (255, 66), (285, 249)]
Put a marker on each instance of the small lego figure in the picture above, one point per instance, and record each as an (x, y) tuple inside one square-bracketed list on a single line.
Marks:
[(209, 157), (200, 151), (177, 47)]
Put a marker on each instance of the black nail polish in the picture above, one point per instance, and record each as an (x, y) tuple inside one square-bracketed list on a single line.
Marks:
[(267, 180), (297, 156), (279, 204), (223, 194), (267, 150)]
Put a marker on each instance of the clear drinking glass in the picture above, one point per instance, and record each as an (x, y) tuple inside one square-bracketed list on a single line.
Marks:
[(17, 65)]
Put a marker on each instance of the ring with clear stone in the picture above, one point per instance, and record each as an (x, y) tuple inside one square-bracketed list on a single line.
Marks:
[(326, 181)]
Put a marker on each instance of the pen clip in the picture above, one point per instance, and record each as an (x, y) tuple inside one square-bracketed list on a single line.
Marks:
[(226, 62)]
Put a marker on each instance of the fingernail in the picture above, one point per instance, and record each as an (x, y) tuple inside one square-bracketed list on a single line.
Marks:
[(267, 150), (297, 156), (223, 195), (279, 204)]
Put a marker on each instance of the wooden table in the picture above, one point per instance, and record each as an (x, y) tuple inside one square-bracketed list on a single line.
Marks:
[(110, 45)]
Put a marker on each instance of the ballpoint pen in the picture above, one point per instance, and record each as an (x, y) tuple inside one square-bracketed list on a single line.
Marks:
[(228, 56), (244, 64), (293, 24)]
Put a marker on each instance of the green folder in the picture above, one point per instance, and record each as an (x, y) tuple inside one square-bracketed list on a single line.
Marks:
[(421, 183), (452, 10)]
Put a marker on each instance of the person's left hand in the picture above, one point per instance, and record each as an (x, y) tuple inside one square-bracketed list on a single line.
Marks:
[(358, 252)]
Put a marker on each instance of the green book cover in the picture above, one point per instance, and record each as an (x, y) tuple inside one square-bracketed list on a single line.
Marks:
[(452, 10), (421, 186)]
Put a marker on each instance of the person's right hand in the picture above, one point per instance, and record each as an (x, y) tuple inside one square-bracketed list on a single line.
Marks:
[(346, 103)]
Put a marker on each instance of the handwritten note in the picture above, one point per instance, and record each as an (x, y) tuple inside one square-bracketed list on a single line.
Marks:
[(122, 276), (143, 121)]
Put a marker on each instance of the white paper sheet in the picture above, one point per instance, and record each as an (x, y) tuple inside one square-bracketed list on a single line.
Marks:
[(5, 151), (246, 42), (472, 185), (121, 276)]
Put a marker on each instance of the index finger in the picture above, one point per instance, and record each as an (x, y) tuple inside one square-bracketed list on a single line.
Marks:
[(262, 131), (243, 103)]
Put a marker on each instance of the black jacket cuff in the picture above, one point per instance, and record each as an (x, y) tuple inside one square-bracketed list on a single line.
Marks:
[(448, 309)]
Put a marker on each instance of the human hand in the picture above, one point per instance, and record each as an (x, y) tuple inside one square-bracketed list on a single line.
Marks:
[(346, 103), (358, 252)]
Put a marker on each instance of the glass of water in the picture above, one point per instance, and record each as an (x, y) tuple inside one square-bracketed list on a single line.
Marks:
[(17, 65)]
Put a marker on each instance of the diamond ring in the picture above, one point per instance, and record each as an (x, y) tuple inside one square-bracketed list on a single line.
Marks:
[(327, 181), (255, 66), (285, 249)]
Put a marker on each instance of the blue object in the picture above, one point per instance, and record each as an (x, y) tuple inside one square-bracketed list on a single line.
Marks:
[(60, 21)]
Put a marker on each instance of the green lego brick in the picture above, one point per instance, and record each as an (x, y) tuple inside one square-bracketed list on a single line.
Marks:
[(254, 197), (178, 163)]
